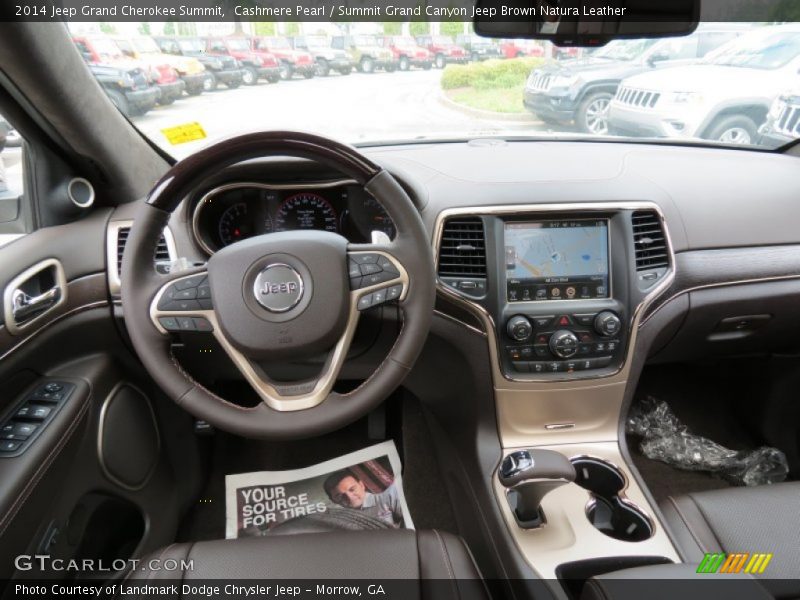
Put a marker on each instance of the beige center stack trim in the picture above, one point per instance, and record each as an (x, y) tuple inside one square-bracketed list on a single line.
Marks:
[(574, 417)]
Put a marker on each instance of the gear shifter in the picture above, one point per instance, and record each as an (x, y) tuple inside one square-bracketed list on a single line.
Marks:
[(529, 475)]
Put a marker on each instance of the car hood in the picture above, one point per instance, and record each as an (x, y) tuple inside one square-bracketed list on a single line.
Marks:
[(725, 81), (595, 68), (328, 53)]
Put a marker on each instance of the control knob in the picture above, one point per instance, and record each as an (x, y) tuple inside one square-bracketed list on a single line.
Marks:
[(607, 324), (519, 328), (564, 344)]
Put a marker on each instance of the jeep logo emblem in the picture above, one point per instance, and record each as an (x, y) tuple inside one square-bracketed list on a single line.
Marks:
[(278, 288)]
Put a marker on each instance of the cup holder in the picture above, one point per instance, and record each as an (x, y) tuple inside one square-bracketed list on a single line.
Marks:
[(608, 510)]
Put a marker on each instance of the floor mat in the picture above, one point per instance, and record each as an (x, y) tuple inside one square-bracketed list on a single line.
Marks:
[(427, 498)]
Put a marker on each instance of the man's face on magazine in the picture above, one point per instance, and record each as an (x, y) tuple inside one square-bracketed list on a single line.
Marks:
[(350, 492)]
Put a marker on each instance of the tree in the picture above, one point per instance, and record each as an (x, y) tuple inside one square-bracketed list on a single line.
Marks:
[(169, 28), (452, 28), (144, 28), (107, 28), (419, 28), (392, 28), (264, 28)]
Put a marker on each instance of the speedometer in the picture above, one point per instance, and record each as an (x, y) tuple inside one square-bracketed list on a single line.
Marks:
[(305, 211)]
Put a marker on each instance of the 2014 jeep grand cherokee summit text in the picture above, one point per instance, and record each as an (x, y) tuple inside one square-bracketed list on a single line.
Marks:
[(389, 334)]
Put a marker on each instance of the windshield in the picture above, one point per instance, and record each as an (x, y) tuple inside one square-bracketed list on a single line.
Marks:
[(673, 90), (191, 46), (770, 51), (316, 41), (146, 45), (238, 44), (624, 50), (276, 43), (106, 49)]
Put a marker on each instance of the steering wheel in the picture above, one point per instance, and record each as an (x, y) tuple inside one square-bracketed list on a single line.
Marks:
[(279, 296)]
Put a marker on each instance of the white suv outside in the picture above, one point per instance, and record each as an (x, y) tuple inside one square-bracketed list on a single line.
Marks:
[(725, 97)]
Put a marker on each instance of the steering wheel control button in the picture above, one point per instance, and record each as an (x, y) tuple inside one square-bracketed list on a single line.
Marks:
[(353, 269), (363, 259), (365, 302), (388, 266), (188, 294), (190, 282), (394, 292), (370, 268), (169, 323), (201, 324), (278, 288)]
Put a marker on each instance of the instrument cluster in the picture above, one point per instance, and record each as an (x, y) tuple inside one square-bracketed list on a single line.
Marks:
[(237, 211)]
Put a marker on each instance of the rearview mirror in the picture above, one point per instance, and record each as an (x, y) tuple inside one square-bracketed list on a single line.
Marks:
[(585, 22)]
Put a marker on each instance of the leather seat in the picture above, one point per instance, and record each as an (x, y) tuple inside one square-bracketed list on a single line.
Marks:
[(763, 519), (429, 564)]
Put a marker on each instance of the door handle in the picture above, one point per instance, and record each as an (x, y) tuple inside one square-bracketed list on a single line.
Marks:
[(24, 306)]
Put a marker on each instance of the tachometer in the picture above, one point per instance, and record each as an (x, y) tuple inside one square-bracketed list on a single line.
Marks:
[(375, 218), (305, 211), (235, 224)]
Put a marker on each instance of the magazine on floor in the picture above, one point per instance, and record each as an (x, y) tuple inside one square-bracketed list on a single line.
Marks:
[(358, 491)]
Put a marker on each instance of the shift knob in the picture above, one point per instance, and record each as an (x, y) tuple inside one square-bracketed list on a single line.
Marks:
[(530, 475)]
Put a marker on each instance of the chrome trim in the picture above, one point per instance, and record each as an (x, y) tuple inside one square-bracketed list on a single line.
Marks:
[(300, 284), (208, 196), (88, 184), (264, 387), (15, 328), (112, 237), (472, 328), (536, 209), (101, 426)]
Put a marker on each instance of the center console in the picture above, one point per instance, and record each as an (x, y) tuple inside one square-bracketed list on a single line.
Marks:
[(559, 291)]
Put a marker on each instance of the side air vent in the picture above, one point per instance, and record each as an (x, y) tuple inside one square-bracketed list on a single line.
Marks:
[(462, 251), (162, 250), (649, 241), (117, 237)]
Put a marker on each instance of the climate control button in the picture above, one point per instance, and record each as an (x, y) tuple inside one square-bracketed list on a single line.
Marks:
[(564, 344), (607, 324), (519, 328)]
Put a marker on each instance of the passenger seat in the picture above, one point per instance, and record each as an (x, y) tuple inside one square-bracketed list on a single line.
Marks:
[(762, 519)]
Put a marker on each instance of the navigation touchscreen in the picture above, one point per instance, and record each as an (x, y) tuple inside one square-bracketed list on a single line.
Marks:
[(557, 260)]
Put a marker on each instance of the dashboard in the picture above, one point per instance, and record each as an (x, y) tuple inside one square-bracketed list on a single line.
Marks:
[(236, 211)]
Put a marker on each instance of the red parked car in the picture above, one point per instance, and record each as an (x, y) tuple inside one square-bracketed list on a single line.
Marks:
[(406, 52), (520, 48), (291, 61), (443, 49), (255, 65), (102, 50)]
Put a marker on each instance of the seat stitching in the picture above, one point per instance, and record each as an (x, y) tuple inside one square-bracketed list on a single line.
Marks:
[(446, 556), (160, 556)]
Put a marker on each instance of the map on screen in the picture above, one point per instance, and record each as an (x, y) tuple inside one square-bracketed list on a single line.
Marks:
[(569, 256)]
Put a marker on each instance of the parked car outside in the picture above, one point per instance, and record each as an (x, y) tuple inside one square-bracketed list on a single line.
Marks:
[(128, 89), (580, 91), (190, 70), (102, 50), (223, 70), (478, 48), (290, 62), (783, 120), (520, 48), (725, 98), (407, 52), (254, 65), (326, 58), (444, 50), (366, 52)]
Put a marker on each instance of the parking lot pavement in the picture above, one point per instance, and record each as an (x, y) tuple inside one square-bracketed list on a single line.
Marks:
[(352, 108)]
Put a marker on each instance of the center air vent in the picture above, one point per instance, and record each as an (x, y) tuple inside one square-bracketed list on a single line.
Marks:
[(462, 251), (649, 241)]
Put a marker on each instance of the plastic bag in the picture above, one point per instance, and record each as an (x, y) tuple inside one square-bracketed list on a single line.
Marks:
[(668, 440)]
